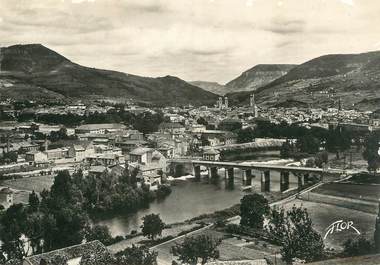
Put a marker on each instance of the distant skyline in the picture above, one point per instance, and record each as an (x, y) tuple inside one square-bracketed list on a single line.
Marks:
[(208, 40)]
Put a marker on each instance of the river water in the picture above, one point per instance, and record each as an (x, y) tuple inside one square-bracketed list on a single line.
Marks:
[(190, 199)]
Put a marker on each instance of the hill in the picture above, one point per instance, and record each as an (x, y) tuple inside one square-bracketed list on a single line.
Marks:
[(320, 82), (258, 76), (212, 87), (34, 71)]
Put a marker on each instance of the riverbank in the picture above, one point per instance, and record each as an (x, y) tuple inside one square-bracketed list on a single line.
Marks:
[(237, 247), (232, 247)]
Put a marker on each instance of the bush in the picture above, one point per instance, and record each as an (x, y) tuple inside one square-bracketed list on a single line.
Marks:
[(220, 223), (163, 191), (234, 229), (360, 246)]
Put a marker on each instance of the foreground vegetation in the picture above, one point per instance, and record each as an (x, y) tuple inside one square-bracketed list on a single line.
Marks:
[(61, 217)]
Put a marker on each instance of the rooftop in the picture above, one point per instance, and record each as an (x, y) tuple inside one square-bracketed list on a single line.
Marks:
[(170, 125), (114, 126), (97, 169), (211, 152), (71, 253), (140, 151)]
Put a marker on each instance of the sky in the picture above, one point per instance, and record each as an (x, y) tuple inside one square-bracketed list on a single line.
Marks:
[(208, 40)]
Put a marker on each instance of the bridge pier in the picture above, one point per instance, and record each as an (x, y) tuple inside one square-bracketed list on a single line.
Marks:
[(230, 177), (197, 173), (212, 172), (284, 181), (306, 177), (247, 177), (265, 181), (301, 181)]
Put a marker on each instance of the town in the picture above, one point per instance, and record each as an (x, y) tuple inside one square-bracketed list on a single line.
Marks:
[(105, 143)]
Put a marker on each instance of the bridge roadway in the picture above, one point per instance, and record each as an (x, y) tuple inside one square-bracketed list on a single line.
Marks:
[(264, 167), (301, 173)]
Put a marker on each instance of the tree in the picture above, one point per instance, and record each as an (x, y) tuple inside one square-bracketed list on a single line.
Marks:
[(194, 249), (152, 225), (277, 227), (308, 144), (202, 121), (12, 226), (245, 135), (63, 188), (295, 233), (34, 201), (377, 232), (9, 157), (286, 149), (147, 122), (137, 255), (338, 140), (34, 231), (99, 232), (253, 207), (64, 219), (371, 149), (321, 158), (61, 134)]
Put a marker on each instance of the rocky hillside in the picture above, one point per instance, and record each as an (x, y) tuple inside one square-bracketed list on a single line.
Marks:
[(354, 78), (35, 72), (258, 76)]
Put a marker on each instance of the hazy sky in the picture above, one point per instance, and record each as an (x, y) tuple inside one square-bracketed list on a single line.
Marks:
[(213, 40)]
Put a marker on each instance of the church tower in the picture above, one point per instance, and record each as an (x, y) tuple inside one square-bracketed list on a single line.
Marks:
[(220, 103), (226, 102), (253, 106)]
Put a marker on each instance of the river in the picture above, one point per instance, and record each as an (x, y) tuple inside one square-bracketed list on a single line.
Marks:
[(190, 199)]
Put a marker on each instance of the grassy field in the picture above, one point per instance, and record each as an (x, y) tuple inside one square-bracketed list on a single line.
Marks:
[(29, 184), (353, 191), (323, 215)]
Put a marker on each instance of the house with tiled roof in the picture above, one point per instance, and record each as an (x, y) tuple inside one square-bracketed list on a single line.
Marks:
[(211, 155), (151, 165), (71, 255)]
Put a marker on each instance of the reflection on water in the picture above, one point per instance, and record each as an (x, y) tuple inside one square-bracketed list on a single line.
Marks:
[(190, 199)]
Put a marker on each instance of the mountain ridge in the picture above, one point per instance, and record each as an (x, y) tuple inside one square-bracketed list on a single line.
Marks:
[(33, 69), (258, 76), (322, 81)]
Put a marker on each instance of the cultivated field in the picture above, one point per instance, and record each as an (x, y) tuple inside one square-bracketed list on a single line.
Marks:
[(353, 191)]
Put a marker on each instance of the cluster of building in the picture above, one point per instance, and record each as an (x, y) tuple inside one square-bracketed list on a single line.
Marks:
[(187, 132)]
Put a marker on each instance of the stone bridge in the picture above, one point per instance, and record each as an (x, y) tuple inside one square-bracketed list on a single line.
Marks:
[(302, 173)]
